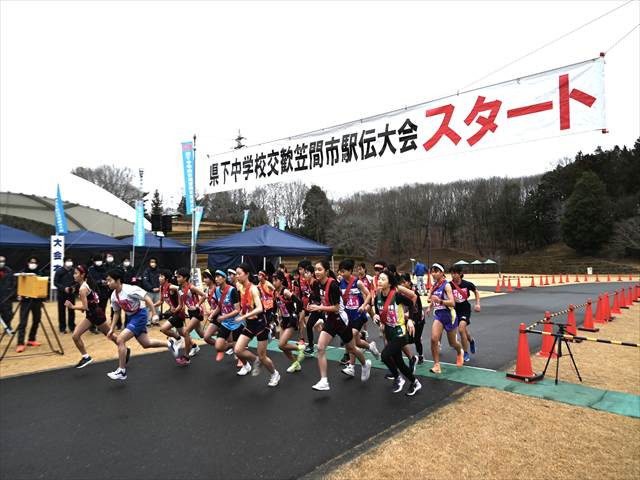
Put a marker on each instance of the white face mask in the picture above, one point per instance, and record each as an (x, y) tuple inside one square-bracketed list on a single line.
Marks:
[(68, 264), (109, 259), (126, 263), (33, 266), (98, 263)]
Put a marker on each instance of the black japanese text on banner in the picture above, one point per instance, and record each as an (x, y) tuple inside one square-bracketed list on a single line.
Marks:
[(562, 101)]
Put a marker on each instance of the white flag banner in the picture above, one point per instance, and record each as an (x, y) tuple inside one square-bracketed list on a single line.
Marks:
[(557, 102), (57, 256)]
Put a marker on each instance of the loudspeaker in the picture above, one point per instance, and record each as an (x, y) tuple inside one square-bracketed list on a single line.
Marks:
[(167, 223), (156, 223)]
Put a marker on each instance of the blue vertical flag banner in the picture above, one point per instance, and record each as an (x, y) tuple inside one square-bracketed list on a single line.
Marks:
[(282, 222), (138, 229), (189, 165), (199, 211), (61, 219), (244, 220)]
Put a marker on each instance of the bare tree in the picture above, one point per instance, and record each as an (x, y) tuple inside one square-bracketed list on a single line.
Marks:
[(116, 180)]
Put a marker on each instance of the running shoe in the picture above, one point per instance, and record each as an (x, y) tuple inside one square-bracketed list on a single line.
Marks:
[(182, 361), (349, 370), (472, 345), (420, 359), (294, 367), (466, 357), (126, 360), (194, 350), (413, 389), (117, 374), (412, 364), (436, 369), (255, 368), (274, 379), (398, 383), (33, 343), (345, 359), (84, 361), (219, 356), (300, 355), (373, 348), (366, 371), (460, 358), (229, 351), (389, 376), (20, 349), (322, 385), (246, 368), (308, 352)]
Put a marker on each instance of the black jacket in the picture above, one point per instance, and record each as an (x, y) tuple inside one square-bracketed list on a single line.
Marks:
[(63, 278), (150, 279), (7, 284)]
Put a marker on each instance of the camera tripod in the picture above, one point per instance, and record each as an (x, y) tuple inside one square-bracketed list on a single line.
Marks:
[(559, 340)]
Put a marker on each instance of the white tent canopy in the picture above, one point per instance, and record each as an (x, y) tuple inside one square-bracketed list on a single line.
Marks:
[(461, 262), (31, 193), (476, 262)]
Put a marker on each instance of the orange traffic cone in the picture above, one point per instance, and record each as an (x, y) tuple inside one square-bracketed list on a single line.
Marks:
[(524, 372), (567, 279), (509, 289), (586, 279), (608, 277), (533, 281), (547, 340), (577, 280), (518, 286), (623, 300), (597, 278), (546, 280), (599, 316), (540, 282), (587, 324), (553, 279), (630, 299), (428, 282), (498, 286), (607, 307), (561, 281), (619, 278), (616, 305), (571, 322), (503, 283)]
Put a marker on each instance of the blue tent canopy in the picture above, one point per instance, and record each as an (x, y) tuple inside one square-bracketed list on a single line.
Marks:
[(14, 237), (264, 241), (152, 242), (88, 240)]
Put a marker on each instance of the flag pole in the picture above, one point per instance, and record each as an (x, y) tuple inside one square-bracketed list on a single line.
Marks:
[(193, 211)]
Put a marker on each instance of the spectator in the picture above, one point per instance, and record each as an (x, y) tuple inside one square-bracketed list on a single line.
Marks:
[(66, 285), (109, 261), (419, 272), (7, 291), (151, 283), (33, 305), (129, 274)]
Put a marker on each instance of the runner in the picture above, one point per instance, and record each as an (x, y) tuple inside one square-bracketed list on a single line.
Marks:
[(227, 309), (355, 297), (266, 289), (461, 291), (128, 298), (391, 315), (441, 297), (310, 296), (361, 271), (192, 298), (417, 315), (90, 304), (256, 326), (174, 317), (295, 289), (335, 323), (288, 305), (212, 301)]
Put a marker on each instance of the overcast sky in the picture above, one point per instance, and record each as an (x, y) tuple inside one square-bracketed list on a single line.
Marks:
[(123, 83)]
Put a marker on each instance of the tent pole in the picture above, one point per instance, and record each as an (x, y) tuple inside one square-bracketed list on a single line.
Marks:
[(332, 265), (264, 263)]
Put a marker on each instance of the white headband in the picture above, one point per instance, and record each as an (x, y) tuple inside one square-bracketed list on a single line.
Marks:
[(438, 266)]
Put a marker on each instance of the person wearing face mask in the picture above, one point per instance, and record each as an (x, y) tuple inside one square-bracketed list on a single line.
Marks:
[(151, 283), (66, 285), (98, 273), (129, 275), (7, 291), (33, 305)]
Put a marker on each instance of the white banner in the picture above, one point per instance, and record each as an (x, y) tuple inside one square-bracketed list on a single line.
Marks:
[(557, 102), (57, 256)]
